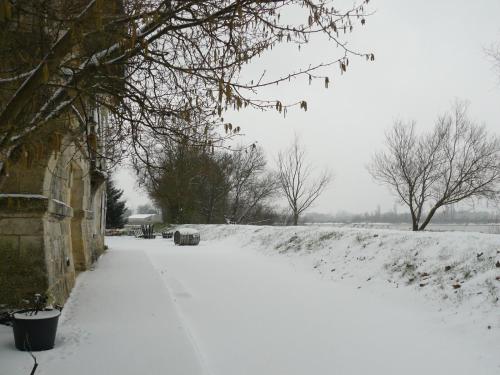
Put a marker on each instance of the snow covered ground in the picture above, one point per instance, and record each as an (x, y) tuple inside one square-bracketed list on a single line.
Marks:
[(119, 319), (266, 300)]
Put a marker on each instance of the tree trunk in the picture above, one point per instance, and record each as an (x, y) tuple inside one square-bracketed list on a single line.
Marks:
[(429, 217), (295, 218), (414, 221)]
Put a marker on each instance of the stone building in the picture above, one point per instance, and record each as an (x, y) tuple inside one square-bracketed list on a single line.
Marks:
[(52, 221), (53, 192)]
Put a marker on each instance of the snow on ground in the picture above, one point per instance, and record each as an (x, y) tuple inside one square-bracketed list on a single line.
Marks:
[(267, 300), (458, 271), (119, 319)]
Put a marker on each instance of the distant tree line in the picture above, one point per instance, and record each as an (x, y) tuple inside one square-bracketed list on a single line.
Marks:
[(447, 216)]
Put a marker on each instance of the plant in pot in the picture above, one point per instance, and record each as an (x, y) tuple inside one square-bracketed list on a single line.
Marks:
[(35, 327)]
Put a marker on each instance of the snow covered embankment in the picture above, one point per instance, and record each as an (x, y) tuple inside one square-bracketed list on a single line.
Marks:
[(457, 270)]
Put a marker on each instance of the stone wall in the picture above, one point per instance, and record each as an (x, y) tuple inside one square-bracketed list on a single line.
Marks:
[(50, 225), (23, 269)]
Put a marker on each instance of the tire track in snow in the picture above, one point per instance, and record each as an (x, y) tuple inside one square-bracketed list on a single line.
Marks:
[(175, 289)]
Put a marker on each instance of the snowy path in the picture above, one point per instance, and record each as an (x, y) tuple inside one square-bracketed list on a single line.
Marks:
[(119, 320), (153, 308), (252, 314)]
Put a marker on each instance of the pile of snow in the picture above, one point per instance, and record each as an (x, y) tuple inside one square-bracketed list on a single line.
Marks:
[(457, 270), (187, 231)]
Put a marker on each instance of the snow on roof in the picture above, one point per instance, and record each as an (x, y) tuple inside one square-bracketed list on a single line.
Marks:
[(141, 216), (144, 219), (30, 196), (187, 231)]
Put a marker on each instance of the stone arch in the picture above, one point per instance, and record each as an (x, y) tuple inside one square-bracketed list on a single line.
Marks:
[(35, 227), (52, 212), (50, 223), (64, 176)]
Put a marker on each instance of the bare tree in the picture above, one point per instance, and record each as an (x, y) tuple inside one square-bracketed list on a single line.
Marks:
[(251, 185), (458, 160), (151, 64), (494, 54), (295, 180)]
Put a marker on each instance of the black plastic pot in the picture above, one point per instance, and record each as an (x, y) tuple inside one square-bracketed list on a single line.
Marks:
[(35, 332)]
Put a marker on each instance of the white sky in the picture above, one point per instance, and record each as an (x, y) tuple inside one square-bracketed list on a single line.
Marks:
[(428, 53)]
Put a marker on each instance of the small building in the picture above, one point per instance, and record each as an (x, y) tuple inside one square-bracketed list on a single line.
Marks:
[(143, 219)]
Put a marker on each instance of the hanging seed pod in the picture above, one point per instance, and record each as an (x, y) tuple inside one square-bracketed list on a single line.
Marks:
[(133, 36), (145, 47), (228, 91)]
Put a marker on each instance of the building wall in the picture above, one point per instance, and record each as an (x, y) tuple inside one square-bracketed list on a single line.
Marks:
[(51, 215)]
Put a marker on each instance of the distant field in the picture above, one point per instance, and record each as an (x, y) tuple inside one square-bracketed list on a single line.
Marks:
[(480, 228)]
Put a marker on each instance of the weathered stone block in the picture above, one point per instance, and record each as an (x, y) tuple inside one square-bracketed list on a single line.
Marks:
[(22, 270), (21, 226), (61, 288), (61, 209), (19, 204), (8, 246), (30, 245), (24, 180), (78, 213)]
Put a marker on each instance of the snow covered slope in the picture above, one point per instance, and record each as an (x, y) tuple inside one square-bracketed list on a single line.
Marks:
[(457, 271), (261, 300)]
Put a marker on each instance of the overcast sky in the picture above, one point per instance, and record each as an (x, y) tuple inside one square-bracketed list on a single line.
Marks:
[(428, 54)]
